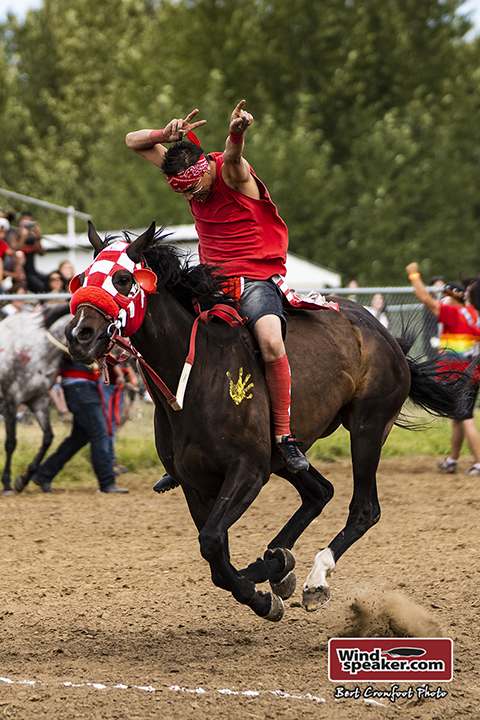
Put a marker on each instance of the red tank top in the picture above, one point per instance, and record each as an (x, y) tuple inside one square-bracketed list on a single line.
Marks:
[(244, 235)]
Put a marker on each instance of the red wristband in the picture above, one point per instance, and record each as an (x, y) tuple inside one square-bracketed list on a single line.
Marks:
[(157, 136), (236, 139)]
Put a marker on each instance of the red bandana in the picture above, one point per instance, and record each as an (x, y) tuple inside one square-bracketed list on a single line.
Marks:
[(193, 173), (98, 288), (189, 176)]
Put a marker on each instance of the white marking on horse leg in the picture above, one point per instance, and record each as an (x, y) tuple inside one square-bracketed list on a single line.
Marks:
[(323, 566)]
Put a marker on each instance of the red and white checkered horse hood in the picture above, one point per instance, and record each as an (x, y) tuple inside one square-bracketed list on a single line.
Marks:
[(95, 287)]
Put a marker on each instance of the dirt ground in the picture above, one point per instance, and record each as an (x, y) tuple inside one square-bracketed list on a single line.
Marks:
[(107, 609)]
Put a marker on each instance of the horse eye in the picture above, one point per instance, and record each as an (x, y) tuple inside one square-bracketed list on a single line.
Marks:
[(122, 281)]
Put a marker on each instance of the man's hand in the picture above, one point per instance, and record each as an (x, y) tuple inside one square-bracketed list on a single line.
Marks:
[(240, 119), (412, 268), (177, 128)]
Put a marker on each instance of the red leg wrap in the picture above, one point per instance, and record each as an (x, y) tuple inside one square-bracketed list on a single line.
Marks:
[(277, 375)]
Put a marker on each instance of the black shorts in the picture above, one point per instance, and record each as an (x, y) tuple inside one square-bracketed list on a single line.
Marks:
[(260, 298)]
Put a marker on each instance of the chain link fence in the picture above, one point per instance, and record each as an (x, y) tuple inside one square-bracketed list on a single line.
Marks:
[(402, 311)]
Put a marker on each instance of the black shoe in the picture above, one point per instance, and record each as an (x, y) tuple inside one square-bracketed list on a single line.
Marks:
[(294, 459), (165, 483), (113, 488), (45, 487)]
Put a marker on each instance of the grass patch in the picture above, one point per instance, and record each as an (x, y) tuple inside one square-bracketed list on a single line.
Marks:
[(431, 438), (135, 446)]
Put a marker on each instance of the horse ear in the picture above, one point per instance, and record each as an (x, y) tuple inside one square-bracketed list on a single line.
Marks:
[(94, 237), (140, 246)]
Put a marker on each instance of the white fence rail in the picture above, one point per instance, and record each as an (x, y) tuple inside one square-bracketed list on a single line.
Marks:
[(402, 309)]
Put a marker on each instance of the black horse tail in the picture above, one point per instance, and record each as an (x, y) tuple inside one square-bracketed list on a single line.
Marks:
[(441, 392)]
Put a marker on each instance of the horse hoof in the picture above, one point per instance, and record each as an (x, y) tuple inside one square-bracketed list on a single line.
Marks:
[(8, 492), (284, 556), (316, 598), (20, 483), (286, 587), (277, 609)]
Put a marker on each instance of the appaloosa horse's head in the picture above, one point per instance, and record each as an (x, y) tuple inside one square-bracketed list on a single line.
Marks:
[(110, 296)]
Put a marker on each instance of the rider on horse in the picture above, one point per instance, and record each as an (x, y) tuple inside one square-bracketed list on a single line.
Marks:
[(240, 230)]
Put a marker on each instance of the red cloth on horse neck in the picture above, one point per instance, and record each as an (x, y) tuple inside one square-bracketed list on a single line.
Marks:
[(277, 375), (247, 237)]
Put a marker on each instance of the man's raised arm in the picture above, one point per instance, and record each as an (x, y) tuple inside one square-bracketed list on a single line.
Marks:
[(237, 169), (420, 290), (148, 143)]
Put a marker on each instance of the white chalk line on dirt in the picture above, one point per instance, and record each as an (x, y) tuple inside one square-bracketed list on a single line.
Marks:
[(174, 688)]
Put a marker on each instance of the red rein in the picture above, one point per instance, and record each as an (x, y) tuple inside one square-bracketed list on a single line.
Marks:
[(223, 312)]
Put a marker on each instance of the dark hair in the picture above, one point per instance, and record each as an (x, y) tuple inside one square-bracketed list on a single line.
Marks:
[(436, 278), (16, 285), (180, 156), (474, 293), (455, 290), (60, 277), (9, 215)]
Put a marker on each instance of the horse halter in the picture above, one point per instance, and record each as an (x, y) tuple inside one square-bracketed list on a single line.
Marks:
[(95, 287), (127, 312)]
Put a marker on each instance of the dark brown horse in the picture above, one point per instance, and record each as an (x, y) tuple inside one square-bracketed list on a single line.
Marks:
[(346, 370)]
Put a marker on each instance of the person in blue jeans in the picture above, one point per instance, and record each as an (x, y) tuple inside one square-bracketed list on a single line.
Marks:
[(82, 394), (121, 379), (112, 405)]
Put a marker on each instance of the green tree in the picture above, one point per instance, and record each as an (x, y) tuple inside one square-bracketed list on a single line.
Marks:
[(366, 117)]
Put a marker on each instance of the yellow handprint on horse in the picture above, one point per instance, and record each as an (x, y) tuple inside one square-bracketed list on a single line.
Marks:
[(239, 389)]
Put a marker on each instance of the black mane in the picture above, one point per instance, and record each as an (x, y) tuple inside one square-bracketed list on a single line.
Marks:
[(186, 281)]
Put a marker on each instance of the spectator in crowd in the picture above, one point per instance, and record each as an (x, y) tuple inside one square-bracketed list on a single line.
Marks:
[(18, 305), (57, 398), (29, 242), (11, 264), (459, 342), (352, 285), (122, 379), (4, 247), (67, 272), (55, 284), (378, 309), (81, 387), (112, 395), (8, 215), (431, 329)]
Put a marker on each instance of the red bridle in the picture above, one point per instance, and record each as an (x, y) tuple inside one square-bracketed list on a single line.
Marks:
[(127, 313)]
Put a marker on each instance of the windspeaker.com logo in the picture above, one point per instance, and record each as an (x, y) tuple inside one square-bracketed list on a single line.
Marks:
[(390, 659)]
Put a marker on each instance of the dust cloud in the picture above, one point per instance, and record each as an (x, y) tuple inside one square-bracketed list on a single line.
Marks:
[(387, 614)]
